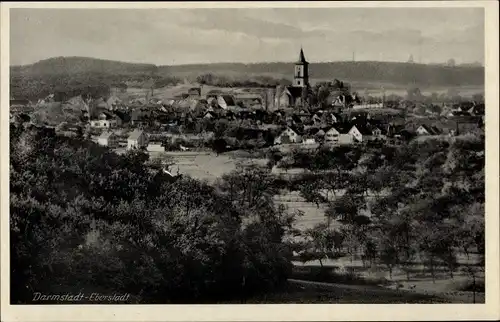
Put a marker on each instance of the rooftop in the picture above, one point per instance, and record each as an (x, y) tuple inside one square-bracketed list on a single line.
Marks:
[(134, 135)]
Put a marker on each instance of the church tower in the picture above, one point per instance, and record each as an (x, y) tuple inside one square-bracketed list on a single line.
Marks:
[(301, 75)]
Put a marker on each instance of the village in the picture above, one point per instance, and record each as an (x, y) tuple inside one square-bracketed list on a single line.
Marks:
[(281, 116)]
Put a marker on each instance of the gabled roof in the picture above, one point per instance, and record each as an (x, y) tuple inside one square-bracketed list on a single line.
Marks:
[(134, 135), (211, 113), (122, 115), (105, 135), (334, 128), (292, 128), (342, 128), (228, 99), (108, 115), (431, 129)]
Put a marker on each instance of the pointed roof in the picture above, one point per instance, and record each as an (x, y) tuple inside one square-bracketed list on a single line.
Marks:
[(106, 135), (134, 135), (302, 58)]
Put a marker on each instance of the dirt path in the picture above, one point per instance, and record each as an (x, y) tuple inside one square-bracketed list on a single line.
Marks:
[(368, 293)]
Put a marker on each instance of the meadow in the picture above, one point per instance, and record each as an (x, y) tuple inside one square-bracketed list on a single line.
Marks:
[(207, 166)]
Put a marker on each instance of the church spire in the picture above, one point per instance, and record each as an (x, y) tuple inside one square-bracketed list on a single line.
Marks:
[(302, 58)]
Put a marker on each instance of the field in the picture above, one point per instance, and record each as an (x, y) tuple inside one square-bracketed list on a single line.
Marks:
[(208, 166)]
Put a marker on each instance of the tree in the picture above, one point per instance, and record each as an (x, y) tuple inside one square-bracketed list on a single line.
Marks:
[(478, 98), (219, 146), (220, 128), (83, 216), (321, 242), (310, 192), (413, 94), (389, 255)]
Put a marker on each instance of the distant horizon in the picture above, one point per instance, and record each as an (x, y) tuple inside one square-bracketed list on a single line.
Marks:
[(172, 37), (475, 64)]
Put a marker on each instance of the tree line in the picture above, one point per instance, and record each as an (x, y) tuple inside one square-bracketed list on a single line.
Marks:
[(83, 217)]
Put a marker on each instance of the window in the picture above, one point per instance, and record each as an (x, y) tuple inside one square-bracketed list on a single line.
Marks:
[(297, 71)]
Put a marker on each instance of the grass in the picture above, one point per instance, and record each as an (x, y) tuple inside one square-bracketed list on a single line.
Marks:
[(310, 293), (456, 290)]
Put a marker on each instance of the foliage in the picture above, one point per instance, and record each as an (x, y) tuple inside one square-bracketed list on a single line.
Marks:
[(83, 217), (398, 205)]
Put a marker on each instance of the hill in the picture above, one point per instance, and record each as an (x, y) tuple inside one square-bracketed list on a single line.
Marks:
[(384, 72), (373, 71), (77, 73), (81, 65)]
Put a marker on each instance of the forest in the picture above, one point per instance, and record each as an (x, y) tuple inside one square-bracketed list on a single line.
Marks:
[(83, 217)]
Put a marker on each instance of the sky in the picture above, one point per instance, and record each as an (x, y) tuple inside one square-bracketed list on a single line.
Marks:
[(187, 36)]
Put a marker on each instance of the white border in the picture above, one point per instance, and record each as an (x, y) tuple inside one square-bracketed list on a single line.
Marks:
[(316, 312)]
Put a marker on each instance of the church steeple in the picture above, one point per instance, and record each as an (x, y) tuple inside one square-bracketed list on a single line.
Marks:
[(302, 58), (301, 75)]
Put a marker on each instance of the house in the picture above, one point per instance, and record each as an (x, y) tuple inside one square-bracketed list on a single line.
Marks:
[(289, 96), (108, 139), (123, 116), (250, 100), (210, 115), (360, 133), (370, 105), (332, 118), (225, 101), (137, 140), (106, 120), (213, 94), (140, 117), (113, 102), (194, 92), (288, 136), (317, 118), (427, 130), (359, 116), (309, 141), (478, 109), (336, 100), (197, 105), (312, 135), (332, 135), (155, 101), (182, 96), (155, 147)]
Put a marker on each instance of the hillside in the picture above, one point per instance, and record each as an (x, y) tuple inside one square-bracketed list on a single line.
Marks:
[(367, 71), (81, 65)]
